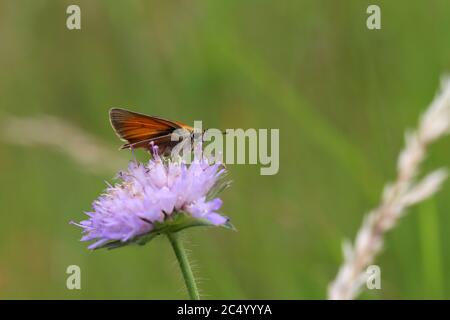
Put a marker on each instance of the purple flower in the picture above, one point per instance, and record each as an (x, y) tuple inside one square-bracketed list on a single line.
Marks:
[(151, 194)]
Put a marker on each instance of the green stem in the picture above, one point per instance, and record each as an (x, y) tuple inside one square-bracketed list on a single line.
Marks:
[(185, 267)]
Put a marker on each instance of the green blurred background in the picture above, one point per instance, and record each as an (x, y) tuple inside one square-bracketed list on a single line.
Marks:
[(341, 95)]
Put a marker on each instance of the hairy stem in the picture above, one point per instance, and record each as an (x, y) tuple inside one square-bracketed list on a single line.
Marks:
[(185, 267)]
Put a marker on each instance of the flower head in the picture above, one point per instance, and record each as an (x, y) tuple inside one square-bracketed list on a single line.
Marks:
[(149, 195)]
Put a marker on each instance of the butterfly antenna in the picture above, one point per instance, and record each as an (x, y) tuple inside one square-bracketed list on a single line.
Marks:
[(133, 153)]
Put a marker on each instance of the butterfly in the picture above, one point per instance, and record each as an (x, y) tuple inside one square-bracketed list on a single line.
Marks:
[(139, 130)]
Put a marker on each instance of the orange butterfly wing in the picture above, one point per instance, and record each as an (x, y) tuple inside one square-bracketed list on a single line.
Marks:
[(139, 129)]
